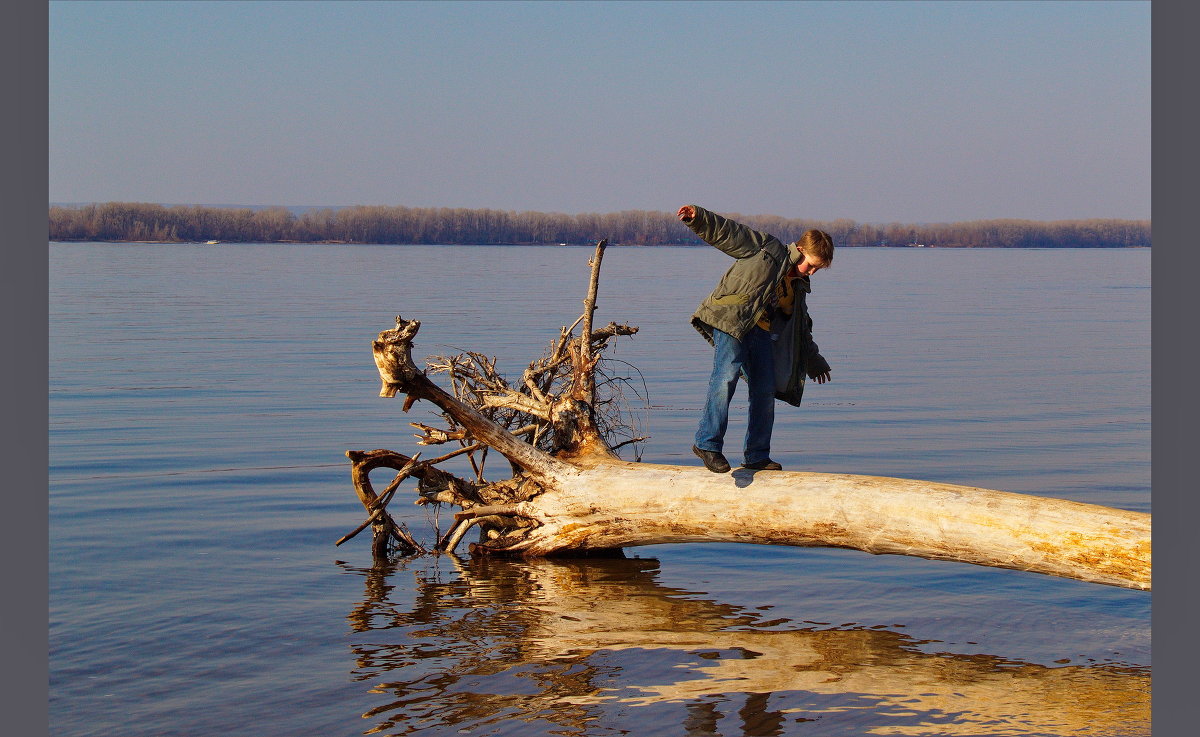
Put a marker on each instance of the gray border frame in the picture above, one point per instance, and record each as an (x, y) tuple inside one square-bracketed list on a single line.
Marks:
[(23, 544), (1175, 306), (24, 604)]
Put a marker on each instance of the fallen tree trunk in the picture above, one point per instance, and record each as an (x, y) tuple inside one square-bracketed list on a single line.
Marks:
[(570, 493), (611, 504)]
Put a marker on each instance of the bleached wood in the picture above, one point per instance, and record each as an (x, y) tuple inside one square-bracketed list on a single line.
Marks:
[(602, 503)]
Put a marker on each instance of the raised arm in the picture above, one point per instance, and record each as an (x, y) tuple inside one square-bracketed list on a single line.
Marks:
[(722, 233)]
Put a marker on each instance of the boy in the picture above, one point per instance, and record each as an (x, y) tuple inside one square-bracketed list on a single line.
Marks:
[(742, 318)]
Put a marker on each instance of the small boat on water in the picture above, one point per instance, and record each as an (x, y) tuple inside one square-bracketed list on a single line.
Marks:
[(211, 243)]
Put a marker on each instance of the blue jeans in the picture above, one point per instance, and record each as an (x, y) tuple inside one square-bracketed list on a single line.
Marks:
[(750, 356)]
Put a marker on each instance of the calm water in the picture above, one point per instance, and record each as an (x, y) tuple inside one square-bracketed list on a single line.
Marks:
[(202, 399)]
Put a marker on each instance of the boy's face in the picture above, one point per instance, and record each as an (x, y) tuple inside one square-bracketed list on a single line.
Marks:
[(809, 266)]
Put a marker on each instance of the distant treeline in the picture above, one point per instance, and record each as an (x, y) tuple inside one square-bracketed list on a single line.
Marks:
[(124, 221)]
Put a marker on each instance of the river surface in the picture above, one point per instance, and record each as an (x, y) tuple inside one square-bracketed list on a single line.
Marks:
[(202, 399)]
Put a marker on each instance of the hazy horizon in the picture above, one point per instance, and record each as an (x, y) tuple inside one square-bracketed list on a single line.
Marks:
[(300, 209), (872, 111)]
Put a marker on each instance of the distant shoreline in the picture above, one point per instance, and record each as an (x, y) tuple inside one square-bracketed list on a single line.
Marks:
[(124, 222)]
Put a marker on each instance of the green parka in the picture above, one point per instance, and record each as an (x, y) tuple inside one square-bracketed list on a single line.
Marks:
[(747, 288)]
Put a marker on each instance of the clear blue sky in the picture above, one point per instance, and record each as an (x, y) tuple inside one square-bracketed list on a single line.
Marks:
[(874, 111)]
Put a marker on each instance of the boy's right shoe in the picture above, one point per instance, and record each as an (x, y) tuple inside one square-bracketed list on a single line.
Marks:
[(713, 460), (764, 465)]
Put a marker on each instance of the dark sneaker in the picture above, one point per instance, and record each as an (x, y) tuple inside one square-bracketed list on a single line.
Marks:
[(713, 460), (763, 465)]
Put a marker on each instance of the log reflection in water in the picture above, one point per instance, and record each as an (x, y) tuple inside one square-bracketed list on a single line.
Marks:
[(579, 645)]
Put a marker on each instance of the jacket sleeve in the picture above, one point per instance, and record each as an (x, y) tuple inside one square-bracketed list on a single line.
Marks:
[(814, 363), (722, 233)]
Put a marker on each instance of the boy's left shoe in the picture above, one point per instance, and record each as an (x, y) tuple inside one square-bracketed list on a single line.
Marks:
[(763, 465)]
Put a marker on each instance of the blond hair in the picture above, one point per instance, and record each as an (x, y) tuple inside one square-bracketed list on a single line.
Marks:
[(817, 245)]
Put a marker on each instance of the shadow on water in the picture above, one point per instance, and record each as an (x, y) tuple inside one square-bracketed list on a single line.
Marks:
[(600, 647)]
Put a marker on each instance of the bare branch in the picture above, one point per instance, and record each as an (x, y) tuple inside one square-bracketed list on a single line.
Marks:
[(631, 440), (436, 436), (393, 358), (510, 399), (484, 510)]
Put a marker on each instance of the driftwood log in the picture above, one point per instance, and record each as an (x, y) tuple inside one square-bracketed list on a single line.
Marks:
[(570, 493)]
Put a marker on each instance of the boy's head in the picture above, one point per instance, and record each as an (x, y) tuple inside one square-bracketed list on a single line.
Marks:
[(817, 247)]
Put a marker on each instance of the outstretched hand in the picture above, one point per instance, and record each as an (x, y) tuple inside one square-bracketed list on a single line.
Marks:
[(821, 378), (687, 212)]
